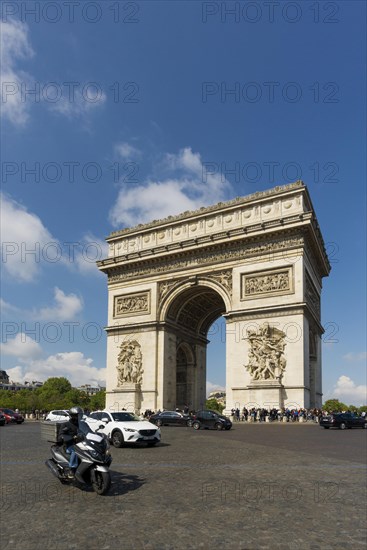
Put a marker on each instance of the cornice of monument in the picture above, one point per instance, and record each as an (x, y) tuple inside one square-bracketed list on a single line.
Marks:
[(216, 254), (220, 206), (259, 215)]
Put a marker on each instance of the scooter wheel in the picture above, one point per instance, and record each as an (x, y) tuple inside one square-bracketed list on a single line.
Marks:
[(102, 482)]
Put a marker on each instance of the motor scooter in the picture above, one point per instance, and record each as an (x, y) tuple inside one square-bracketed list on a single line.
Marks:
[(94, 459)]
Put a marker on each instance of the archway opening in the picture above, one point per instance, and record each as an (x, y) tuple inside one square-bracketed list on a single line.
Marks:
[(188, 320), (216, 357)]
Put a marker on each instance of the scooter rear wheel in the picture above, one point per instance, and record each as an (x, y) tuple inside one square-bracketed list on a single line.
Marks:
[(102, 482)]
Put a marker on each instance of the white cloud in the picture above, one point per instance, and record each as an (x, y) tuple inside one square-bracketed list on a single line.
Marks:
[(80, 103), (352, 356), (67, 307), (213, 387), (22, 347), (126, 151), (91, 250), (24, 240), (348, 392), (8, 308), (15, 46), (73, 365), (190, 189)]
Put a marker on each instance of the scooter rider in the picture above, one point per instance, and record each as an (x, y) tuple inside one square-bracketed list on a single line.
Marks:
[(69, 435)]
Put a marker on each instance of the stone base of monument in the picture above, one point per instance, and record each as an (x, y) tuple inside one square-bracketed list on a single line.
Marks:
[(126, 397), (268, 393)]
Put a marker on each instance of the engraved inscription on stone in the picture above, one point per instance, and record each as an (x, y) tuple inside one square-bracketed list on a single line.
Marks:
[(267, 283), (132, 304), (266, 359)]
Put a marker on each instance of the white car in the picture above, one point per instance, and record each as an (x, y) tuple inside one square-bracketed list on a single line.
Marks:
[(124, 427), (58, 416)]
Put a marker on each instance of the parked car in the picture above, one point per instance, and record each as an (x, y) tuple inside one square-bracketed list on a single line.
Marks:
[(124, 427), (2, 419), (343, 421), (58, 416), (12, 416), (211, 419), (171, 418)]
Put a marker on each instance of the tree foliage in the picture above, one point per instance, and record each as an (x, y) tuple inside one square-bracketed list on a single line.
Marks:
[(56, 393), (334, 405), (98, 401), (214, 405)]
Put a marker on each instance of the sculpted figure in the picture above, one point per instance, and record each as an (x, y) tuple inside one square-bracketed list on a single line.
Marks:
[(266, 359), (129, 367)]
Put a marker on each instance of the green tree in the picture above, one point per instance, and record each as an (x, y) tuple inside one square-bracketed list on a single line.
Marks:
[(56, 385), (334, 405), (74, 397), (53, 394), (214, 405), (97, 401), (7, 399)]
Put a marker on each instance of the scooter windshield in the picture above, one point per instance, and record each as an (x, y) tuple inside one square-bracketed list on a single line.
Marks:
[(84, 428)]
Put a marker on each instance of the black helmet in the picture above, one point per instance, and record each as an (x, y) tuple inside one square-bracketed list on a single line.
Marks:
[(76, 412)]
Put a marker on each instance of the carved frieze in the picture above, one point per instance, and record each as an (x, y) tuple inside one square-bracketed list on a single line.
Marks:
[(224, 278), (312, 297), (266, 359), (131, 304), (267, 283), (202, 256), (130, 362), (165, 287)]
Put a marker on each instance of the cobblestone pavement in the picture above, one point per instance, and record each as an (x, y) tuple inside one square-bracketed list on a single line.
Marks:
[(268, 486)]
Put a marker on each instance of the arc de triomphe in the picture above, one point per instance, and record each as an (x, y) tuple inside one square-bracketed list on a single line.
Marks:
[(258, 261)]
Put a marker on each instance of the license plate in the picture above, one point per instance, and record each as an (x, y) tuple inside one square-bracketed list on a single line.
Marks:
[(147, 438)]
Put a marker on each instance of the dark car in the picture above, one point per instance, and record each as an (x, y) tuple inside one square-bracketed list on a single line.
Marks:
[(211, 419), (343, 421), (13, 416), (2, 419), (171, 418)]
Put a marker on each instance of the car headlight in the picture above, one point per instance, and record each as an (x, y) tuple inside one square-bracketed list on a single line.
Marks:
[(130, 430)]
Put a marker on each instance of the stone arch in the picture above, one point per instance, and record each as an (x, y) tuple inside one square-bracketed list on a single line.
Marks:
[(259, 261), (179, 288)]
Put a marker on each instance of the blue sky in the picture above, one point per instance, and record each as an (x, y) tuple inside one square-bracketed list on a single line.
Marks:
[(134, 105)]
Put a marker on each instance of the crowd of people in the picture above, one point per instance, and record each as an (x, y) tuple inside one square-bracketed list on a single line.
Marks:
[(275, 415), (278, 415)]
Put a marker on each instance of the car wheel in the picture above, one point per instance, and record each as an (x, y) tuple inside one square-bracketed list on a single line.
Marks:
[(228, 427), (196, 425), (343, 426), (218, 426), (117, 439), (189, 424), (365, 426), (159, 423)]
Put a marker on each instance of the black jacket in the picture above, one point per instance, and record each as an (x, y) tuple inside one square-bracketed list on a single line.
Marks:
[(68, 432)]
